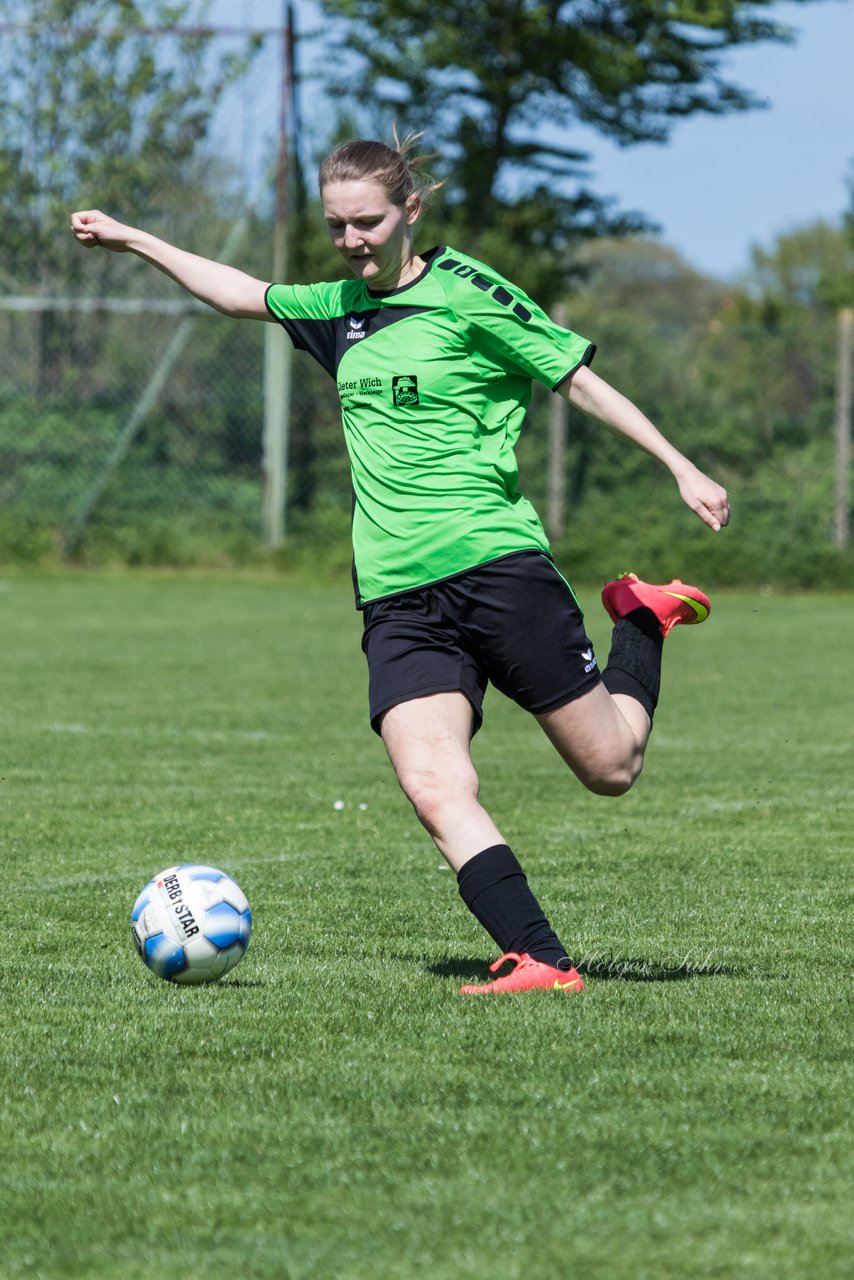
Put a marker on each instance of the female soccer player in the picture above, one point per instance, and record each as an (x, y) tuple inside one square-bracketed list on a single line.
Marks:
[(434, 354)]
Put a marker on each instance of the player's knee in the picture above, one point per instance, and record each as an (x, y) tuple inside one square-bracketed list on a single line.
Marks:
[(613, 777), (436, 798)]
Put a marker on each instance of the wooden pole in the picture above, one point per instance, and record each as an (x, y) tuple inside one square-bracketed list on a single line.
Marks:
[(842, 514), (278, 352)]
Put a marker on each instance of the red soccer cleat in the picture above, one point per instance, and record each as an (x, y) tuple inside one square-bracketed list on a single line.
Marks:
[(672, 603), (528, 975)]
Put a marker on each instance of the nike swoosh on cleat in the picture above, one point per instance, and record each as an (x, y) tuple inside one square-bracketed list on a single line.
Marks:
[(566, 986), (699, 609)]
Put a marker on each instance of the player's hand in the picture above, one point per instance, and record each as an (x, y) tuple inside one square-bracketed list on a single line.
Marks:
[(705, 497), (94, 229)]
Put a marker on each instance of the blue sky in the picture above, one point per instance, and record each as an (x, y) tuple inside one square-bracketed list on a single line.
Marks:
[(721, 184), (725, 183)]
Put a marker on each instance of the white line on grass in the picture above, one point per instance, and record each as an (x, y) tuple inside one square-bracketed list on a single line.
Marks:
[(168, 731)]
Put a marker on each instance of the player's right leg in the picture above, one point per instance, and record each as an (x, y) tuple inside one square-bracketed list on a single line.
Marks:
[(426, 692), (427, 740)]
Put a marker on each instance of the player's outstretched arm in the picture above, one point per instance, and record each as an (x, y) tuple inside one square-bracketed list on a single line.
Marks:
[(590, 393), (225, 288)]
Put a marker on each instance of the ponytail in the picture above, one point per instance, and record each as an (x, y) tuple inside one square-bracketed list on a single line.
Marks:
[(397, 169)]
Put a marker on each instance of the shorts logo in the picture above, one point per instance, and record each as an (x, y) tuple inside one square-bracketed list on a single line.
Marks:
[(404, 391), (356, 329), (589, 660)]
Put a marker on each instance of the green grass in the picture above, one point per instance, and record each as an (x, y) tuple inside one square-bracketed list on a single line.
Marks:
[(332, 1111)]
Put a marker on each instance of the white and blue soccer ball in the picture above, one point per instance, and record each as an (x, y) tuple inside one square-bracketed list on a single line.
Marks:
[(191, 924)]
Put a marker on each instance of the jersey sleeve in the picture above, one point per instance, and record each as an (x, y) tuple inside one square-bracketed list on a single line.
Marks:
[(301, 301), (308, 313), (511, 330)]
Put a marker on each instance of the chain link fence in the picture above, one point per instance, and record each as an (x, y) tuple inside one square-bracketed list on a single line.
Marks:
[(135, 423), (133, 429)]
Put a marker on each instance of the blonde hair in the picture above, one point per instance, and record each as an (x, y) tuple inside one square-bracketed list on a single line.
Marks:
[(396, 169)]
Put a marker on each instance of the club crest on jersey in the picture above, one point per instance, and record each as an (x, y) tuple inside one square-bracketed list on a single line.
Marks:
[(404, 390), (356, 328)]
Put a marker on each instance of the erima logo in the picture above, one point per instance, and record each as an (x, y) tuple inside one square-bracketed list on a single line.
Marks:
[(357, 328), (589, 660)]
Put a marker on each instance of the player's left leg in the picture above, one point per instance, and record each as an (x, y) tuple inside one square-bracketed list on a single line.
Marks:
[(602, 737), (603, 734)]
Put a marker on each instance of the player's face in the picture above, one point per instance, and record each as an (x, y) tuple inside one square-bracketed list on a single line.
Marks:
[(373, 235)]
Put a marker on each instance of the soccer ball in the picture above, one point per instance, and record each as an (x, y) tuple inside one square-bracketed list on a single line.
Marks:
[(191, 924)]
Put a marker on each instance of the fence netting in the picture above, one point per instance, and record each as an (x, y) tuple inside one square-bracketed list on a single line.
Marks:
[(134, 429), (134, 421)]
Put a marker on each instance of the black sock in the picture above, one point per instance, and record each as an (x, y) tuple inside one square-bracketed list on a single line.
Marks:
[(634, 663), (494, 888)]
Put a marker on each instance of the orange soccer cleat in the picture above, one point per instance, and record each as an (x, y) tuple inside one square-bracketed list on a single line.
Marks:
[(672, 603), (528, 975)]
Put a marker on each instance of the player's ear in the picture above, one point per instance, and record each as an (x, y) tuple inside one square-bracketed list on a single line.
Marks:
[(413, 208)]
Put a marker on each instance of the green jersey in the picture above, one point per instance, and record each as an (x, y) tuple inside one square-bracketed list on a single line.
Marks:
[(434, 380)]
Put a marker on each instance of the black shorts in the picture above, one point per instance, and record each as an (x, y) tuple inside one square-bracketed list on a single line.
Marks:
[(514, 623)]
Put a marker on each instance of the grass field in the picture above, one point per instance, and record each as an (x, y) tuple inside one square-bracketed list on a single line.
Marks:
[(332, 1110)]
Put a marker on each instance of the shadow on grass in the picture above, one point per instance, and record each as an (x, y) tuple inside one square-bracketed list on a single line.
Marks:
[(617, 970), (600, 969)]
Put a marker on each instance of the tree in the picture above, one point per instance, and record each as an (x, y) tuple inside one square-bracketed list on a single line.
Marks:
[(97, 110), (500, 84), (808, 267)]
